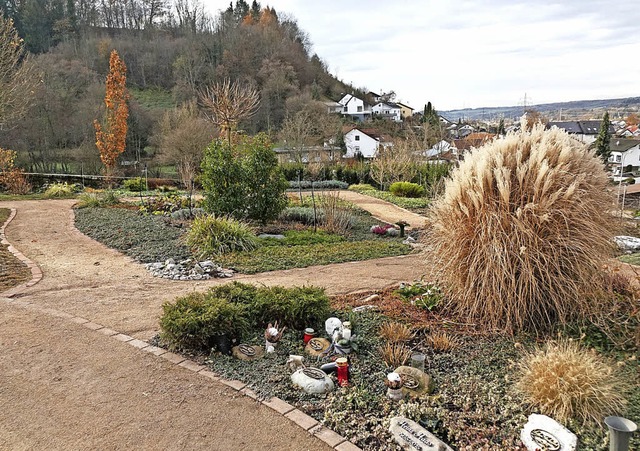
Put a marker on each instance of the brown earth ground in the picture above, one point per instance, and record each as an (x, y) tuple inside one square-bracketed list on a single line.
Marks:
[(66, 387)]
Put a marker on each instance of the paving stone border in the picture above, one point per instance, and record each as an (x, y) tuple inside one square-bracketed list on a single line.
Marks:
[(306, 422)]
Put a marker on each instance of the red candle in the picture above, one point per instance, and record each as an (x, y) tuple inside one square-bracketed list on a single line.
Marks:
[(343, 371), (309, 333)]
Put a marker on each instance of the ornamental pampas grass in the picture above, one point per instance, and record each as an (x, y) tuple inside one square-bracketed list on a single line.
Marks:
[(566, 381), (521, 232)]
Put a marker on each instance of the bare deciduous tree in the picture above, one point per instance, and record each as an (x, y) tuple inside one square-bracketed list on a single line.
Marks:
[(226, 104), (395, 163), (18, 78)]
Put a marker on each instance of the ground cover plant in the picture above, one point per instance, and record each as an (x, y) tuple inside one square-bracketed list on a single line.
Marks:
[(476, 403), (520, 235), (13, 272), (145, 238)]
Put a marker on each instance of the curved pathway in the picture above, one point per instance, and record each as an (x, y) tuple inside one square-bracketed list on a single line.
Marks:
[(68, 387)]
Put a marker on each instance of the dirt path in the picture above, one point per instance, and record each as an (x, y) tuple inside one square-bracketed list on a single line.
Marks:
[(383, 210), (64, 387)]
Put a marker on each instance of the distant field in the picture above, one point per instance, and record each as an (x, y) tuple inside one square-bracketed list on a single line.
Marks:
[(154, 98)]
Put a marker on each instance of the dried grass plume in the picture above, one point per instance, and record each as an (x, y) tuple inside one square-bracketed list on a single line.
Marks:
[(565, 381), (520, 235)]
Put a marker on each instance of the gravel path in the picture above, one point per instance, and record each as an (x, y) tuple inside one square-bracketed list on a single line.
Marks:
[(66, 387)]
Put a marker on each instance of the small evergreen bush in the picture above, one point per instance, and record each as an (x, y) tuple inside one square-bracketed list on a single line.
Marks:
[(210, 236), (192, 321), (296, 307), (406, 189), (136, 185)]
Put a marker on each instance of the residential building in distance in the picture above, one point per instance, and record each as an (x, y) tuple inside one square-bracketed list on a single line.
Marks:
[(625, 156), (355, 108), (388, 110), (363, 142), (405, 110), (583, 131)]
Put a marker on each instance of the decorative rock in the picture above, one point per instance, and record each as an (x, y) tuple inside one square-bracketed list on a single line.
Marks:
[(627, 243), (317, 346), (411, 436), (247, 352), (312, 380), (187, 270), (542, 432), (415, 382)]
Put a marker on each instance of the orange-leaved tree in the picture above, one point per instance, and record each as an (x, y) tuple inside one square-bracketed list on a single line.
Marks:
[(111, 138)]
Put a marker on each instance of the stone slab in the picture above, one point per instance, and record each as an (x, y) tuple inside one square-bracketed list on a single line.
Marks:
[(411, 436)]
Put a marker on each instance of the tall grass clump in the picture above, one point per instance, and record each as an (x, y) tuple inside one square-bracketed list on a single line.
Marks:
[(210, 235), (520, 234), (565, 381), (97, 200), (336, 218)]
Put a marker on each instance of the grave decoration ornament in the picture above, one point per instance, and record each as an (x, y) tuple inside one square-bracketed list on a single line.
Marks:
[(411, 436), (543, 432), (312, 380), (247, 352), (272, 336), (394, 386)]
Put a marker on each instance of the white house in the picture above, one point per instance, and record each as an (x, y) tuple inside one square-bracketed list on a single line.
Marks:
[(355, 107), (363, 142), (388, 110), (625, 155)]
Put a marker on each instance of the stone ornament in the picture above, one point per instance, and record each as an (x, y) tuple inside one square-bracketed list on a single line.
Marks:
[(411, 436), (247, 352), (333, 327), (295, 362), (543, 432), (415, 382), (312, 380), (317, 346)]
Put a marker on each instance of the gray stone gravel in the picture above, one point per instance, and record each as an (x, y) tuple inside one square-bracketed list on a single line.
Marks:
[(188, 270)]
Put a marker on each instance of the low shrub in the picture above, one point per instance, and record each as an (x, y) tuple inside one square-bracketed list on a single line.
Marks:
[(136, 185), (394, 354), (337, 218), (323, 184), (443, 341), (210, 236), (359, 187), (297, 307), (395, 332), (566, 381), (406, 189), (381, 229), (165, 203), (98, 199), (59, 190), (303, 215), (163, 184), (185, 214), (193, 321)]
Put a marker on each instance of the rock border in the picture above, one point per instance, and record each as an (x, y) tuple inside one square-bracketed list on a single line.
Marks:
[(306, 422)]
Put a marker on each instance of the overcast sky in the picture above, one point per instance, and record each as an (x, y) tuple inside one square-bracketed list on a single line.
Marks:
[(475, 53)]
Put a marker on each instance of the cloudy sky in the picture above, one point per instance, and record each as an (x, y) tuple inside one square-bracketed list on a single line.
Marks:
[(475, 53)]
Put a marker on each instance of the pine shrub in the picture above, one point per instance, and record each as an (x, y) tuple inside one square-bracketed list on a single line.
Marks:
[(192, 321), (521, 232)]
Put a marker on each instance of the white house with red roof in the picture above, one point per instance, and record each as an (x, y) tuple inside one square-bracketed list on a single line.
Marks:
[(363, 142)]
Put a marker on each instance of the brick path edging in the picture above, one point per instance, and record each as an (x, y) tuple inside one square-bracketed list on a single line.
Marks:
[(306, 422)]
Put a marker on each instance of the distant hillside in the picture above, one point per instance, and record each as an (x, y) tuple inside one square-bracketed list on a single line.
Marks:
[(579, 109)]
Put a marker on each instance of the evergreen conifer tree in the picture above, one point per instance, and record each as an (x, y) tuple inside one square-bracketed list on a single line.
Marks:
[(604, 138)]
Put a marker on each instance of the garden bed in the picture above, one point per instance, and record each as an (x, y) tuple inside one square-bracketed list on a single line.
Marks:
[(417, 205), (474, 404), (13, 272), (151, 238)]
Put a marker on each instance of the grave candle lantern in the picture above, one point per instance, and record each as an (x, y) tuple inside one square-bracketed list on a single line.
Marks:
[(309, 333), (343, 371)]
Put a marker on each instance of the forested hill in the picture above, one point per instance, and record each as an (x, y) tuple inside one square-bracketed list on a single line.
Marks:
[(172, 49)]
